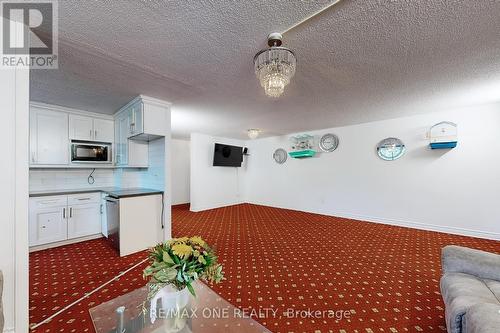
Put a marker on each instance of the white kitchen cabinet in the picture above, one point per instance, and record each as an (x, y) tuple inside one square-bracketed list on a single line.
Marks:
[(84, 220), (47, 220), (127, 152), (135, 116), (147, 118), (64, 217), (103, 130), (121, 130), (80, 128), (104, 215), (84, 128), (49, 142)]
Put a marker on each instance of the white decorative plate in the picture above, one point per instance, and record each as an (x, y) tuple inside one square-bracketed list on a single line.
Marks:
[(391, 149), (280, 156), (329, 142)]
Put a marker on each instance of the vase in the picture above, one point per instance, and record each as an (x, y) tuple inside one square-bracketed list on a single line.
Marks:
[(171, 305)]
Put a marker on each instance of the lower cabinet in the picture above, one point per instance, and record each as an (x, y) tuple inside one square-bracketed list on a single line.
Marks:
[(63, 217), (47, 225), (84, 220)]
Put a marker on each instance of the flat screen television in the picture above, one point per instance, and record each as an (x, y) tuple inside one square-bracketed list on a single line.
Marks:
[(227, 156)]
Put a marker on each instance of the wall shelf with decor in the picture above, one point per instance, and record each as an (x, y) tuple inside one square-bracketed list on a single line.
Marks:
[(443, 135), (302, 146)]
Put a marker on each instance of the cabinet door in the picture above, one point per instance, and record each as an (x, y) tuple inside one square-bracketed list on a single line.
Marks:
[(81, 128), (135, 116), (49, 142), (47, 225), (122, 128), (84, 220), (103, 130)]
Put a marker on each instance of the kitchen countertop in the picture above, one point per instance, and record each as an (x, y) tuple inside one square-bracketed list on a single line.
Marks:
[(115, 192)]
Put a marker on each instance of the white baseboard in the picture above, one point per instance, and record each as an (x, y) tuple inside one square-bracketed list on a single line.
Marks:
[(399, 223), (66, 242), (213, 206)]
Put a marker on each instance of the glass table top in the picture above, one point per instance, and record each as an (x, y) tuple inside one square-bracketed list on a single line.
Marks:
[(207, 313)]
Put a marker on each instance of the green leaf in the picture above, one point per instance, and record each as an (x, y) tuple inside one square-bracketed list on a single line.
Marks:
[(176, 259), (179, 276), (191, 289), (167, 258)]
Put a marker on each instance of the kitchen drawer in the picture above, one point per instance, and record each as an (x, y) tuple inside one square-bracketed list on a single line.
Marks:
[(52, 201), (84, 198)]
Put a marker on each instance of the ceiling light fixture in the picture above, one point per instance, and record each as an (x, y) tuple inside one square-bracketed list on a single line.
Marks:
[(253, 133), (275, 66)]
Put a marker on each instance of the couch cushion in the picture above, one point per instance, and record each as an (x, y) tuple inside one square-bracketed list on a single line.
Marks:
[(483, 318), (461, 291), (458, 259), (494, 286)]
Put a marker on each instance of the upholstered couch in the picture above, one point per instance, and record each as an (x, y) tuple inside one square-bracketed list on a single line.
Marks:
[(470, 287)]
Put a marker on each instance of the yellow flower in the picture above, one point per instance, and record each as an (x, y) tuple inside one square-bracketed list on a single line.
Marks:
[(197, 240), (182, 250), (181, 240)]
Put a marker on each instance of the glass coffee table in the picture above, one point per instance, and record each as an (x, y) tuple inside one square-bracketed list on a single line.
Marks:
[(206, 313)]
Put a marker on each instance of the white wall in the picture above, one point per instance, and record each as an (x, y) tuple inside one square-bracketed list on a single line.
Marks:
[(14, 103), (180, 171), (454, 190), (211, 186)]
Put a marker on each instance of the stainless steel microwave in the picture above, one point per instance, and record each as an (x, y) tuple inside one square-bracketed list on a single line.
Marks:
[(88, 152)]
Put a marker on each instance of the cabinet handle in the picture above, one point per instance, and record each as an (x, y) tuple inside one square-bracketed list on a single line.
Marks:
[(95, 134), (81, 199), (64, 213), (33, 157), (70, 212), (101, 209)]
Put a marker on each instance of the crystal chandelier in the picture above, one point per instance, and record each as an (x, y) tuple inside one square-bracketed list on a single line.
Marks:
[(275, 66), (253, 133)]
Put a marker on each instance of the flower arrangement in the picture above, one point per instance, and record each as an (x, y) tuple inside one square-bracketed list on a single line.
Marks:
[(179, 262)]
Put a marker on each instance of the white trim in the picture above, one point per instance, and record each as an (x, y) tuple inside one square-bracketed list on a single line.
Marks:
[(21, 299), (65, 242), (219, 205), (398, 223), (9, 330), (147, 99), (53, 107)]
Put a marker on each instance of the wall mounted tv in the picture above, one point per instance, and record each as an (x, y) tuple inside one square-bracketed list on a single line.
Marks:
[(227, 156)]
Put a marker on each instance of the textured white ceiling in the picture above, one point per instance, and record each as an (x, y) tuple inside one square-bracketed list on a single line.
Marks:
[(359, 61)]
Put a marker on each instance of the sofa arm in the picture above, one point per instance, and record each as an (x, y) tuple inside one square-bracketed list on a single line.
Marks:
[(483, 318), (457, 259)]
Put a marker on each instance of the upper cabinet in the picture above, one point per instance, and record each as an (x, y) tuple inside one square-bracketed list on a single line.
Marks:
[(81, 128), (127, 152), (90, 129), (135, 118), (103, 130), (147, 118), (49, 142)]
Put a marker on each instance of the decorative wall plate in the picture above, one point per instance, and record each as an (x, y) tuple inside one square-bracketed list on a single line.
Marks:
[(391, 149), (280, 155), (329, 142)]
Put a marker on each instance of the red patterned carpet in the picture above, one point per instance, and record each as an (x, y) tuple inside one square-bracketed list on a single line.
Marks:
[(386, 277)]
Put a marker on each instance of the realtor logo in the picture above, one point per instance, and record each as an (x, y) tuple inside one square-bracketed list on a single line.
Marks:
[(29, 34)]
